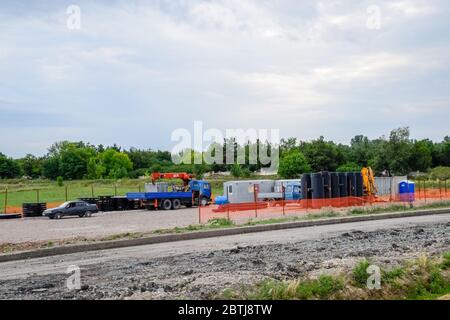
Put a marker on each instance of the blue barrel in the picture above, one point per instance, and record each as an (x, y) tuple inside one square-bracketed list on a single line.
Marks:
[(406, 189)]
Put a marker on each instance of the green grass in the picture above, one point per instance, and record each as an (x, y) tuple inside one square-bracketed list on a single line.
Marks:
[(420, 279), (23, 191), (359, 273)]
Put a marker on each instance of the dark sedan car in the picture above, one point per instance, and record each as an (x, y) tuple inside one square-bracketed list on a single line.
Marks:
[(71, 208)]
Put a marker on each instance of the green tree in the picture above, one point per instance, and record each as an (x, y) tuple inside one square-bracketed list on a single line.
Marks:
[(9, 168), (322, 155), (116, 164), (349, 167), (292, 164), (31, 166), (420, 157)]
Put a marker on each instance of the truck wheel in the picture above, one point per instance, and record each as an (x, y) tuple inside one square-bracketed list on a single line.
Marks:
[(166, 204), (176, 204), (204, 201)]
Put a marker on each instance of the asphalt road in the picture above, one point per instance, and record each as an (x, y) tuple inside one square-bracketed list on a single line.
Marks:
[(59, 264)]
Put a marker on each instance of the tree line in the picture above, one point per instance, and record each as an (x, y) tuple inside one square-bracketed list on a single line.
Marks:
[(395, 154)]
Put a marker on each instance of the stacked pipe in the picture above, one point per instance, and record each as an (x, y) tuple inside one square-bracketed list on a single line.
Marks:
[(319, 187)]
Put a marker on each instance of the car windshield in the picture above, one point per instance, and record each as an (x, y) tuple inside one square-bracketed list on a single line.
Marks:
[(64, 204)]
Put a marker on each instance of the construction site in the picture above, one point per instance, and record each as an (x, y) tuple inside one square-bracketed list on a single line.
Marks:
[(402, 217)]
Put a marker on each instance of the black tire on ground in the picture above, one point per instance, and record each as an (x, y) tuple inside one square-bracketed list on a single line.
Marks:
[(189, 205), (81, 215), (166, 204), (88, 214), (58, 215), (176, 204), (51, 217)]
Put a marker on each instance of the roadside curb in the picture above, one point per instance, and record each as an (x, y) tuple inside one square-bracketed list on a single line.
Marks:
[(47, 252)]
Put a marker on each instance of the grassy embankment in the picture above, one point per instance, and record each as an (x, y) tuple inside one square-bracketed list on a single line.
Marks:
[(419, 279)]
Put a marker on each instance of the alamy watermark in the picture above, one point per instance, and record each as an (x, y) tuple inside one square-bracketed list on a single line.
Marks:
[(73, 282), (73, 21), (374, 279), (373, 17), (235, 146)]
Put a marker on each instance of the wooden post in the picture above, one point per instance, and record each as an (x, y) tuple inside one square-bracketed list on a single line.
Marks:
[(254, 200), (6, 198), (92, 190), (66, 193), (440, 190), (425, 190)]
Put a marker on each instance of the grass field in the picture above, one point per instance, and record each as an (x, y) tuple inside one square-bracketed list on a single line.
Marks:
[(25, 191)]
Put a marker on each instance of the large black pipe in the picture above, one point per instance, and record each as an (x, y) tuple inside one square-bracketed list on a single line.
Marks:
[(334, 182), (351, 180), (343, 184), (317, 186)]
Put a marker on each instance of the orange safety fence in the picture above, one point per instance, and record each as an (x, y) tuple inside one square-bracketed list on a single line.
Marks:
[(243, 212), (15, 209)]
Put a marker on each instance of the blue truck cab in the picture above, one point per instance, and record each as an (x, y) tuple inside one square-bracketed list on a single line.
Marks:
[(292, 191), (198, 193), (201, 187)]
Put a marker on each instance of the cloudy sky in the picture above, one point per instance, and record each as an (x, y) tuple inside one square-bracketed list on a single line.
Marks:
[(137, 70)]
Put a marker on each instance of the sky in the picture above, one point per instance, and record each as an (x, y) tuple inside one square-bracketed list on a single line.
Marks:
[(133, 72)]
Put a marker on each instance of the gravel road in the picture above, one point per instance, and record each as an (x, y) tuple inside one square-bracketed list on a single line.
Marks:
[(203, 268), (101, 224)]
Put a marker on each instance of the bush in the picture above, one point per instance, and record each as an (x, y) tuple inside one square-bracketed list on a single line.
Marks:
[(60, 181)]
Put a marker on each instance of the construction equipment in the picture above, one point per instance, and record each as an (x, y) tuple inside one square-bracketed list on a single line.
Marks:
[(158, 195), (186, 177), (370, 188)]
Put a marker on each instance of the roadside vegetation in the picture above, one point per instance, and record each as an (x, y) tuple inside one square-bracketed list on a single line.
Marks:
[(419, 279)]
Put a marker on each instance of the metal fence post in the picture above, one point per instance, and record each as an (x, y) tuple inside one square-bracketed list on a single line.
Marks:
[(66, 193)]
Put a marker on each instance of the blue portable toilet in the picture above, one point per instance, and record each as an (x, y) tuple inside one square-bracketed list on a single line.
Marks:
[(406, 189)]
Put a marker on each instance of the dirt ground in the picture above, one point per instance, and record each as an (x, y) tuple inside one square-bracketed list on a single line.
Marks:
[(101, 224), (202, 269)]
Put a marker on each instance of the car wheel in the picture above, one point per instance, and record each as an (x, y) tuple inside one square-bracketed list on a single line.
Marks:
[(88, 214), (58, 215), (51, 217), (81, 215), (176, 204), (166, 204)]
